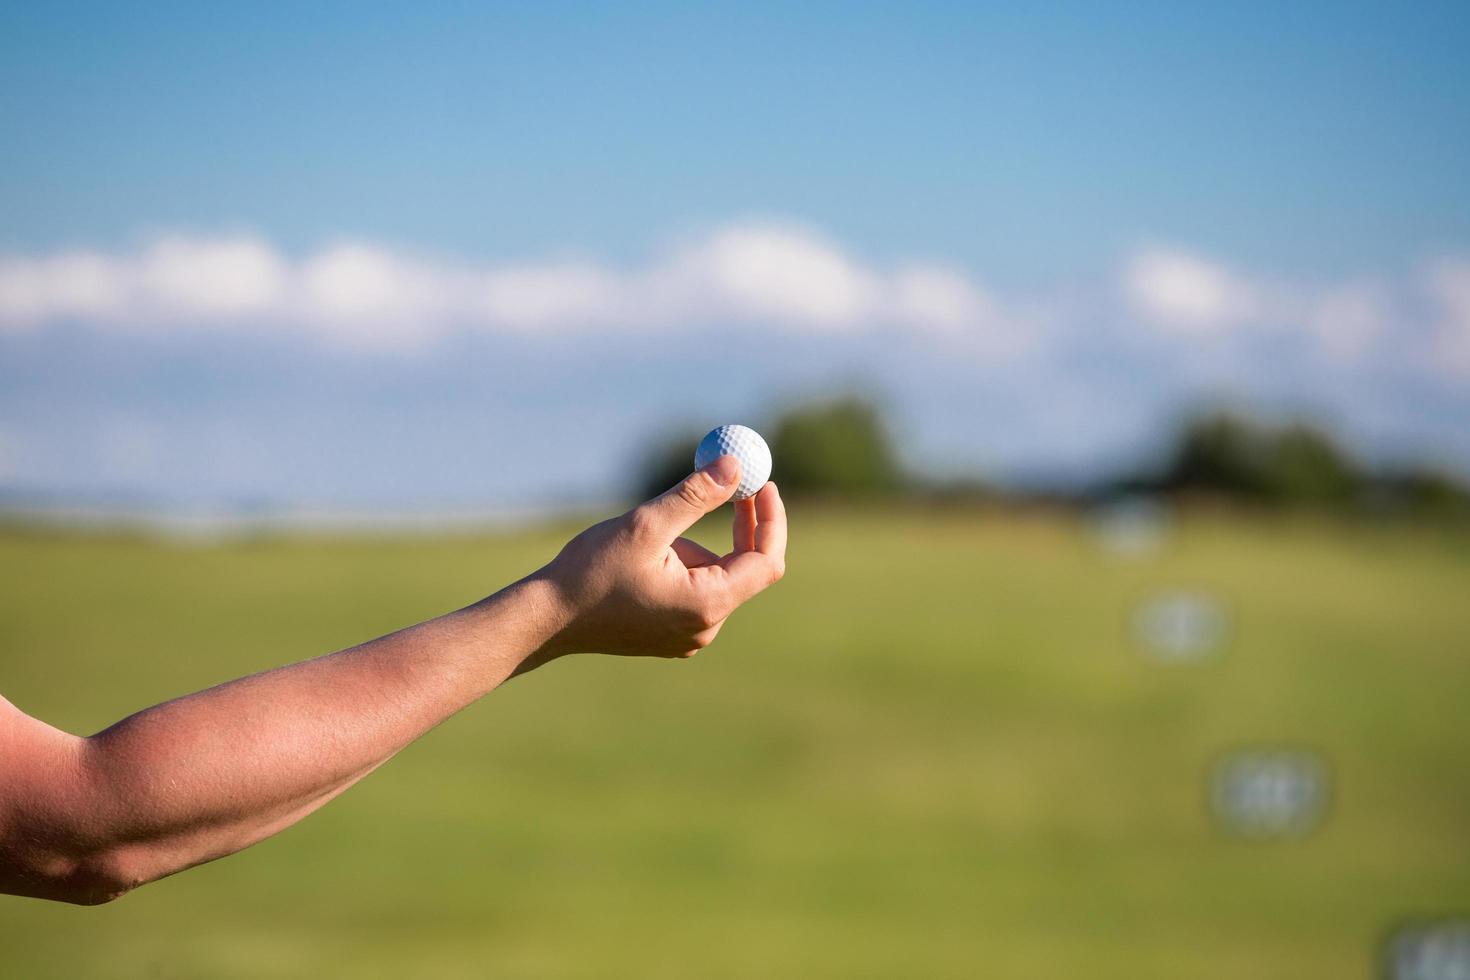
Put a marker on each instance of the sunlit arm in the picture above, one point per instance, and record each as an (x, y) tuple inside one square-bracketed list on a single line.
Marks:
[(85, 820)]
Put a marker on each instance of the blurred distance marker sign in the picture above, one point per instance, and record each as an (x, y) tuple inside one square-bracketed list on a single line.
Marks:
[(1429, 951), (1181, 625), (1131, 527), (1270, 792)]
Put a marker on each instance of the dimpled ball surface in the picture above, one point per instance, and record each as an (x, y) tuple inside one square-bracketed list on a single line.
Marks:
[(746, 445)]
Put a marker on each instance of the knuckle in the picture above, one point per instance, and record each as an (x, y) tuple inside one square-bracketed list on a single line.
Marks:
[(694, 491)]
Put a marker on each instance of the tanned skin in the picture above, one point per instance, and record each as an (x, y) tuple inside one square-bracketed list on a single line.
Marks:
[(88, 819)]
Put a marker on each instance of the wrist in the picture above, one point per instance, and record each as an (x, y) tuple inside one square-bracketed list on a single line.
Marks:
[(523, 622), (550, 611)]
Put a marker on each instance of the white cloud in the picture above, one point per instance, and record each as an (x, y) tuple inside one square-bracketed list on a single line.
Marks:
[(1448, 286), (1179, 293), (186, 278), (531, 297), (73, 284), (356, 293), (939, 297), (354, 282), (1178, 290), (782, 274)]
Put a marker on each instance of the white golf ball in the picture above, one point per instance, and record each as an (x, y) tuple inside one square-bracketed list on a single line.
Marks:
[(746, 445)]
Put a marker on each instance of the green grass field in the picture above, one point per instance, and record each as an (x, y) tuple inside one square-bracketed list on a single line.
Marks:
[(932, 751)]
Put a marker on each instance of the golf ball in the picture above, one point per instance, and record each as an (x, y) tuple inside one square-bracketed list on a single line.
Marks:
[(746, 445)]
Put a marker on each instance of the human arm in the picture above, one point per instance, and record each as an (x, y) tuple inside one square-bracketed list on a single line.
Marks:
[(184, 782)]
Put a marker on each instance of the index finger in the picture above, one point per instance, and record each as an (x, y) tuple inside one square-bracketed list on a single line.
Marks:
[(742, 534)]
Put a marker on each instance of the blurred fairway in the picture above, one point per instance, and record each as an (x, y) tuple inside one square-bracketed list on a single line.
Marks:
[(932, 751)]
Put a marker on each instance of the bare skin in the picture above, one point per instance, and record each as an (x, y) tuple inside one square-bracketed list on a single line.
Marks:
[(86, 820)]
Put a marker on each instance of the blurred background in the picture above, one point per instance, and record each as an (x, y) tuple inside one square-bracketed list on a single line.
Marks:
[(1115, 361)]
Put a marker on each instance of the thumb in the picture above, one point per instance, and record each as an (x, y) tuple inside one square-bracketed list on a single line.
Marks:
[(674, 511)]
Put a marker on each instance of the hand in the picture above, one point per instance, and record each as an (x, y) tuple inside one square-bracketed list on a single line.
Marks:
[(632, 586)]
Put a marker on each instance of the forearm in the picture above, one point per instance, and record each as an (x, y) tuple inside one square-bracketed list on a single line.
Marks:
[(206, 775)]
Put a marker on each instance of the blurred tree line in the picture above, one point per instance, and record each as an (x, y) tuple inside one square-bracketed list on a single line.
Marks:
[(1231, 456), (842, 448)]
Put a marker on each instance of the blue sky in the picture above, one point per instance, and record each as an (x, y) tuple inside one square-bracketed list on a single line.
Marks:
[(1035, 232)]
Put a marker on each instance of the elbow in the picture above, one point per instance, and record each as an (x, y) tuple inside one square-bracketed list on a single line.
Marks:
[(64, 835), (90, 879), (100, 879)]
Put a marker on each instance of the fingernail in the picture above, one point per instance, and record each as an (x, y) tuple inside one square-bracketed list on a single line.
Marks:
[(724, 470)]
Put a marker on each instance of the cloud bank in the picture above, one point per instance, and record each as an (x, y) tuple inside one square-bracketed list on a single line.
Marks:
[(778, 275), (358, 293), (1420, 319), (1181, 292)]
